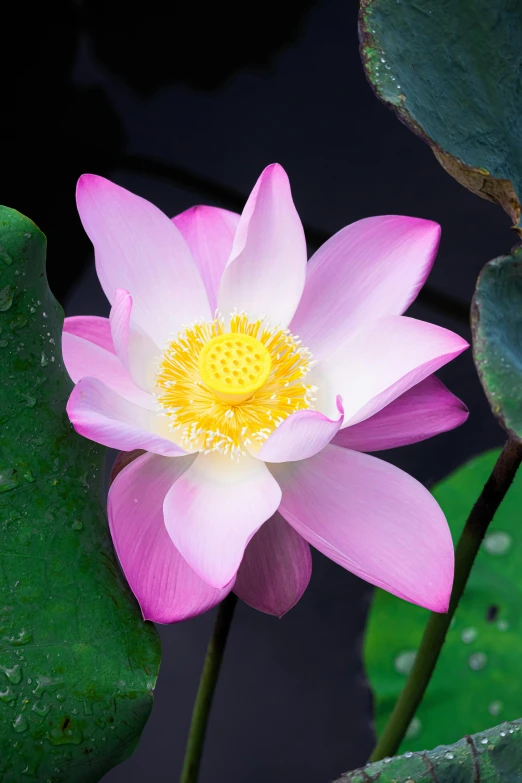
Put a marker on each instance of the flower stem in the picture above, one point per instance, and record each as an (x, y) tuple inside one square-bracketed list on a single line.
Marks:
[(437, 626), (207, 686)]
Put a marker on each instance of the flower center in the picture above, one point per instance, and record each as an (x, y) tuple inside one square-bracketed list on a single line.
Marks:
[(234, 366), (227, 391)]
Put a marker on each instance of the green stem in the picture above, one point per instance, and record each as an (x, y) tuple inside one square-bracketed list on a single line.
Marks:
[(207, 686), (437, 626)]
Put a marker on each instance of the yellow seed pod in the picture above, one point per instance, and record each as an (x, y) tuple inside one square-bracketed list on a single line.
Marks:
[(234, 366)]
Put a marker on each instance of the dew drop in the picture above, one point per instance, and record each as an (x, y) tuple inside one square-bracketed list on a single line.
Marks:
[(404, 661), (7, 695), (414, 729), (6, 298), (20, 724), (497, 543), (477, 661), (19, 639), (8, 479), (14, 674), (449, 756), (41, 708), (484, 741), (68, 737), (408, 754), (502, 625), (469, 635)]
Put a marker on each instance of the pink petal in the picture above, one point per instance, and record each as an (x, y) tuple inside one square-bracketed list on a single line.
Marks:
[(214, 509), (372, 519), (275, 569), (209, 233), (120, 320), (93, 328), (425, 410), (266, 270), (138, 248), (380, 362), (122, 459), (166, 587), (87, 359), (370, 269), (300, 436), (100, 414), (136, 351)]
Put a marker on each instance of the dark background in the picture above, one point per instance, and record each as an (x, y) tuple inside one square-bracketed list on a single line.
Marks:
[(186, 104)]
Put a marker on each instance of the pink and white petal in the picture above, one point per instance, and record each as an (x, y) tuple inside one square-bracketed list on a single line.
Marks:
[(276, 568), (209, 233), (372, 268), (300, 436), (380, 362), (138, 248), (165, 586), (425, 410), (214, 509), (93, 328), (100, 414), (135, 349), (85, 359), (119, 319), (372, 519), (266, 270)]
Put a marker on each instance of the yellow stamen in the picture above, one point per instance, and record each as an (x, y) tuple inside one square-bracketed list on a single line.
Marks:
[(210, 413)]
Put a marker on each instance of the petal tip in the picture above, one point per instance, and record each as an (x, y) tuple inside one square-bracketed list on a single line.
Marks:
[(86, 181)]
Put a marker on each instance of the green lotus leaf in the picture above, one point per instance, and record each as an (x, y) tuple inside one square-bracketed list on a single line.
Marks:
[(451, 71), (77, 662), (476, 681), (496, 316), (492, 756)]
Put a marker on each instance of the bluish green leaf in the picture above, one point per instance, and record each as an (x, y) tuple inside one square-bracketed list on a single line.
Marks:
[(497, 338), (492, 756), (452, 71)]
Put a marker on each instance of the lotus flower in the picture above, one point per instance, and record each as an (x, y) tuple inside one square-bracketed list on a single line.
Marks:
[(256, 383)]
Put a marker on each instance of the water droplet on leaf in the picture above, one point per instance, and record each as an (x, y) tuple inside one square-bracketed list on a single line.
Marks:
[(13, 674), (477, 661), (6, 298), (497, 543), (20, 724), (404, 661), (414, 729), (469, 635)]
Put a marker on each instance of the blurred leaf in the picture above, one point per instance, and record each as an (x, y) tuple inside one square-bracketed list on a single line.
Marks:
[(477, 677), (493, 756), (496, 317), (77, 663), (451, 71)]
